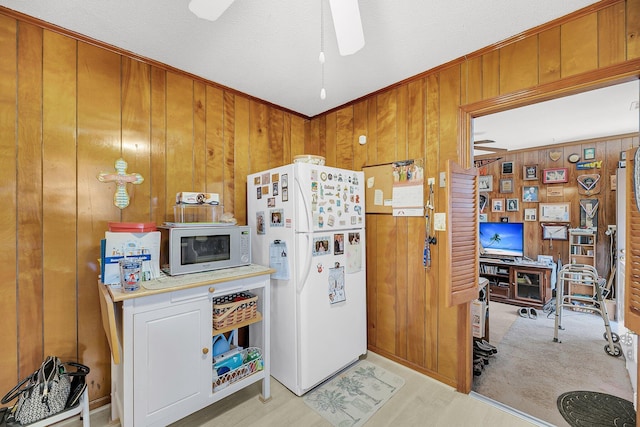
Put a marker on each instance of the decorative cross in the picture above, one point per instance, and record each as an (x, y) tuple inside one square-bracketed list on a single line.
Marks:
[(121, 178)]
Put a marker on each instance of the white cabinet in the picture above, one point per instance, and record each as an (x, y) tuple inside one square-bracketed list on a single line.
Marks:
[(171, 353), (166, 337)]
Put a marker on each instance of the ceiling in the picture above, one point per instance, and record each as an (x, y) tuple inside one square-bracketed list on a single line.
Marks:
[(594, 114), (269, 49)]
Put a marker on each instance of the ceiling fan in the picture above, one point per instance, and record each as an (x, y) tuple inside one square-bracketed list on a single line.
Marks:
[(345, 14), (481, 145)]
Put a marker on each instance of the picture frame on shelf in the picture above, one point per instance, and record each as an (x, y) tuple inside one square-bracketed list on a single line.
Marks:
[(507, 168), (555, 212), (530, 193), (530, 172), (506, 185), (546, 259), (512, 205), (485, 183), (531, 214), (589, 154), (555, 175), (497, 205)]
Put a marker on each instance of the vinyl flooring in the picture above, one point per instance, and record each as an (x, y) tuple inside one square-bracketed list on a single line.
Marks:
[(422, 401)]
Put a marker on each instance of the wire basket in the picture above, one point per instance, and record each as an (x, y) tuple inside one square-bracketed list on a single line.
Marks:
[(234, 308), (253, 362)]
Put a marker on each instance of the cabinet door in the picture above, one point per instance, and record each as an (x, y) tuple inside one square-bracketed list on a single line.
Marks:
[(529, 285), (172, 362)]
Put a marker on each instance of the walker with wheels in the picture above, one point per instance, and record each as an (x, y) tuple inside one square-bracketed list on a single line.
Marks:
[(585, 275)]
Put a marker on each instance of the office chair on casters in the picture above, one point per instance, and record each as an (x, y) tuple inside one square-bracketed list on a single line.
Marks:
[(581, 274)]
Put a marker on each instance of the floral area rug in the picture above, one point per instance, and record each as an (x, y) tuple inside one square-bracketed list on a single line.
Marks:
[(350, 398)]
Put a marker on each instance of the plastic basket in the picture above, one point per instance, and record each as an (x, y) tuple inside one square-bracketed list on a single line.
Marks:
[(231, 309), (253, 362)]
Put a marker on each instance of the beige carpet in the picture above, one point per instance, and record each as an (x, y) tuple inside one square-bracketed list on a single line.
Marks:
[(530, 371)]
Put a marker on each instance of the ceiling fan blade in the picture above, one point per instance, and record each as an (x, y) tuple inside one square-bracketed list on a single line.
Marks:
[(484, 141), (209, 9), (348, 26), (492, 149)]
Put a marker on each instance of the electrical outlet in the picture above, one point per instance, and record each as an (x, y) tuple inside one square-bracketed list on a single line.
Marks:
[(443, 179)]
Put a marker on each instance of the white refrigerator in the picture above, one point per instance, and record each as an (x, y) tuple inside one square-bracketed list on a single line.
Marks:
[(307, 222)]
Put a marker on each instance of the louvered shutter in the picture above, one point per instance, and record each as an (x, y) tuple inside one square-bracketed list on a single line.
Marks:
[(632, 249), (462, 234)]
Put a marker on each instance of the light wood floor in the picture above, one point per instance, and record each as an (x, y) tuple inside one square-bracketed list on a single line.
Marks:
[(422, 401)]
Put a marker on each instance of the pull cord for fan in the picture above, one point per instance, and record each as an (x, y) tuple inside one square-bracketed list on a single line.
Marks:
[(428, 240)]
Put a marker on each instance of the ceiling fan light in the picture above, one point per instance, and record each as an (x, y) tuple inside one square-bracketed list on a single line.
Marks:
[(209, 9), (348, 26)]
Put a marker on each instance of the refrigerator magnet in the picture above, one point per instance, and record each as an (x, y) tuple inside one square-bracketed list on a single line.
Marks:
[(321, 246), (276, 218), (336, 285), (260, 223)]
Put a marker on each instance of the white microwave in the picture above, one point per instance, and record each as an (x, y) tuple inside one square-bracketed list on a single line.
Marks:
[(193, 249)]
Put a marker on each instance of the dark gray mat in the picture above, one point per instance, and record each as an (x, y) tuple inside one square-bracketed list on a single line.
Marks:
[(590, 408)]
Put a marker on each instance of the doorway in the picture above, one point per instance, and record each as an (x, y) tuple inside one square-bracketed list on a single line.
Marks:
[(585, 117)]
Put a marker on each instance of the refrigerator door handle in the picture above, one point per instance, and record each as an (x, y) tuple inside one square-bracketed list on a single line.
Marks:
[(307, 266), (305, 204)]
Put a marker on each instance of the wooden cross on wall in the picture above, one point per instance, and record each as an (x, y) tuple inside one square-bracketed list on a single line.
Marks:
[(121, 178)]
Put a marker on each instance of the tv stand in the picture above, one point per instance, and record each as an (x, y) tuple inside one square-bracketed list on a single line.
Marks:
[(518, 282)]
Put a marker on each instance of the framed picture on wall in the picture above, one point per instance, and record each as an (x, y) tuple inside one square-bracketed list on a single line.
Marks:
[(554, 231), (530, 214), (506, 185), (512, 205), (530, 193), (530, 172), (497, 205), (482, 202), (557, 212), (555, 191), (589, 154), (507, 168), (485, 183), (554, 175)]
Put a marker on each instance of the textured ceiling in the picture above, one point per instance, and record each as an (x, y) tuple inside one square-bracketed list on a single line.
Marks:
[(594, 114), (269, 49)]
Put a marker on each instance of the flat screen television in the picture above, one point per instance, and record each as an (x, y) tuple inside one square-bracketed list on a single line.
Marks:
[(502, 239)]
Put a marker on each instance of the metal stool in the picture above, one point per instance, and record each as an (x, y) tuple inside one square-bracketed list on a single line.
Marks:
[(585, 274)]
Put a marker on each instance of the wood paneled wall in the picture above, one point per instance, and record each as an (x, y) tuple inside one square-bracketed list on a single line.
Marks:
[(607, 151), (421, 118), (68, 109)]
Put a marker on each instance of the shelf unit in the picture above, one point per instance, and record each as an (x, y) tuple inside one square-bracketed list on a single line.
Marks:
[(582, 250), (164, 337), (523, 284)]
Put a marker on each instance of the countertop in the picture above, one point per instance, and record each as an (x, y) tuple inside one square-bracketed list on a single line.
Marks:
[(167, 283)]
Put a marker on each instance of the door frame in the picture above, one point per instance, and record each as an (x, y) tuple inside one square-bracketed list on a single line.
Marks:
[(603, 77)]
